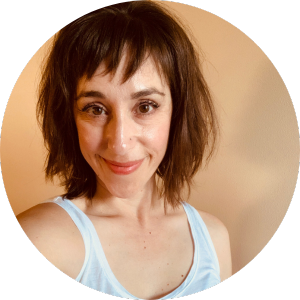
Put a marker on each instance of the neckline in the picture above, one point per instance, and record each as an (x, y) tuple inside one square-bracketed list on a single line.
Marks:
[(109, 273)]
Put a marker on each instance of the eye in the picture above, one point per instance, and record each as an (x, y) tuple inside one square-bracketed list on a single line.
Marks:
[(147, 107), (97, 110), (94, 109)]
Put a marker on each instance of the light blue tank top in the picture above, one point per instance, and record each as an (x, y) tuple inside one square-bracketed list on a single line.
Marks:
[(96, 273)]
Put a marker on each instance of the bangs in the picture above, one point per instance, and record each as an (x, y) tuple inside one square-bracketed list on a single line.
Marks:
[(108, 38)]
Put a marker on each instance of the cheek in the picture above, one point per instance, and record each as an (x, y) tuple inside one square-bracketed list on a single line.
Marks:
[(158, 137), (89, 137)]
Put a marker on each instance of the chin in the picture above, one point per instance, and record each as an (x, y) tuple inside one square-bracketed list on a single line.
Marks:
[(126, 187)]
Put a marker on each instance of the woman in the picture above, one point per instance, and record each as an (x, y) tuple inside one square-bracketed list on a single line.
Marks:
[(127, 120)]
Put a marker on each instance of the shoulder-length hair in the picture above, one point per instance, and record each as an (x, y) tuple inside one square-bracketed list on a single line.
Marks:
[(145, 29)]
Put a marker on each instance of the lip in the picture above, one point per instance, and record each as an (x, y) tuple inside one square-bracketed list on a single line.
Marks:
[(123, 168)]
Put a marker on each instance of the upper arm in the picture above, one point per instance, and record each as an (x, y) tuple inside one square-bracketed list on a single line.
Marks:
[(55, 235), (220, 238), (41, 224)]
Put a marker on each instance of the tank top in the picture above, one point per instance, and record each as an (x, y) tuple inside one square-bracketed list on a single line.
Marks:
[(96, 273)]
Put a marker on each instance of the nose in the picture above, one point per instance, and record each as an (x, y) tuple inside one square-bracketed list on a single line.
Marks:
[(120, 133)]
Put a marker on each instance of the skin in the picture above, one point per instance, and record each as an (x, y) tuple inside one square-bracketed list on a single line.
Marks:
[(124, 122)]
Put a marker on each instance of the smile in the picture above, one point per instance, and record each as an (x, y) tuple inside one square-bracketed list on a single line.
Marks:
[(123, 168)]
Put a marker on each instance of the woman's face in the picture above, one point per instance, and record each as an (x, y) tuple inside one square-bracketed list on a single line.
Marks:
[(123, 128)]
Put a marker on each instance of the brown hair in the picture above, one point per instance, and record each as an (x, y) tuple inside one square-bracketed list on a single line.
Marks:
[(144, 28)]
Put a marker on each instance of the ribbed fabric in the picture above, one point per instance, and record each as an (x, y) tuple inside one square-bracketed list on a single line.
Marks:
[(96, 273)]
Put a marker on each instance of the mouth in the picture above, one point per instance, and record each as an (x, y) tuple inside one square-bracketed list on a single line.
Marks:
[(123, 168)]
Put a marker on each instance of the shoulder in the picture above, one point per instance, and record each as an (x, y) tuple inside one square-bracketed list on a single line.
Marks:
[(220, 238), (54, 234), (43, 218), (214, 225)]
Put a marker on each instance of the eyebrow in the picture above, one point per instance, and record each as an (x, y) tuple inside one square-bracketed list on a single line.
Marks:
[(136, 95), (146, 92), (91, 94)]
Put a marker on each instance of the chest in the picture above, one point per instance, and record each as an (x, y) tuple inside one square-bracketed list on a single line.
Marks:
[(148, 262)]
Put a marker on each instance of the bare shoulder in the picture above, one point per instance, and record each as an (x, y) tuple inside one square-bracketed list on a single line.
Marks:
[(42, 220), (55, 235), (220, 238), (213, 224), (42, 212)]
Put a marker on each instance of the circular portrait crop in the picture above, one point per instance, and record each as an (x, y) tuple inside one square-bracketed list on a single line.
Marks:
[(149, 150)]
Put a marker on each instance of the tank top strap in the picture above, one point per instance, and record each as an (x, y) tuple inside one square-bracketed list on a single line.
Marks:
[(76, 215), (200, 234), (83, 224)]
